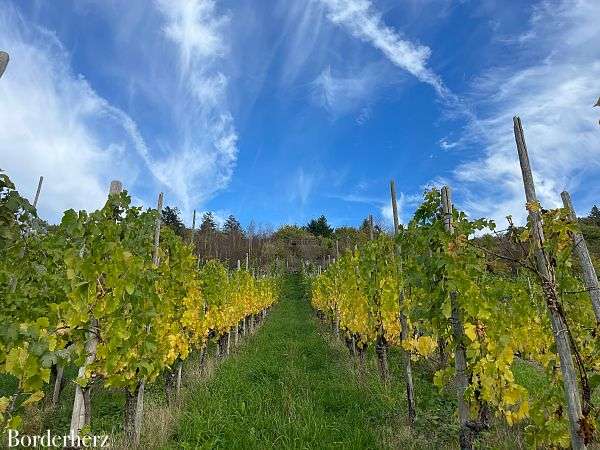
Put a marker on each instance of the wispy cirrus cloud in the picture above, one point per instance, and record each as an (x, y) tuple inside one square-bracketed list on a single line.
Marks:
[(553, 94), (381, 204), (364, 22), (200, 159), (195, 27), (56, 125), (59, 126), (343, 94), (301, 186), (447, 145)]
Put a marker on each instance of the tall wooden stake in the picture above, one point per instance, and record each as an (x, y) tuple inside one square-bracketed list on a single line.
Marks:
[(580, 247), (81, 413), (548, 280), (370, 227), (155, 257), (134, 403), (37, 192), (193, 227), (410, 389), (116, 187), (460, 357)]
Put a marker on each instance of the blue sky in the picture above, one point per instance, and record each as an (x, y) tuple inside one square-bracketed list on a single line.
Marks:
[(278, 111)]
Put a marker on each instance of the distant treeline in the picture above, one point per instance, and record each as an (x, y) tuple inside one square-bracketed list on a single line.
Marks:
[(317, 242)]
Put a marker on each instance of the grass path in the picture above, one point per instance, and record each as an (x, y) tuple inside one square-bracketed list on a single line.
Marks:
[(289, 386)]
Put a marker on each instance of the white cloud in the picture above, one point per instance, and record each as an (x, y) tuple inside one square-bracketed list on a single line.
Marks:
[(301, 187), (54, 124), (364, 116), (553, 96), (195, 27), (447, 145), (384, 205), (303, 34), (201, 159), (361, 19), (341, 95)]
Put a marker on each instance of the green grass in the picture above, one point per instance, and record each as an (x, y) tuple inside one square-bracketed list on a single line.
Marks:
[(292, 386), (286, 389)]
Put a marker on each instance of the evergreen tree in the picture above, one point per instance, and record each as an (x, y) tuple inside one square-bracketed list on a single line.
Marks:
[(595, 214), (319, 227), (208, 223), (232, 226), (170, 217)]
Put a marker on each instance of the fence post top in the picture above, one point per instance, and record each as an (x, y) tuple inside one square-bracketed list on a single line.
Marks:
[(116, 187)]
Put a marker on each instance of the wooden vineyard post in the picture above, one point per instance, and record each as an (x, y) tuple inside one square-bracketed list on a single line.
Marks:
[(336, 325), (370, 227), (580, 247), (460, 356), (116, 187), (58, 385), (193, 227), (134, 402), (37, 192), (155, 256), (410, 389), (228, 342), (81, 413), (548, 280), (239, 267)]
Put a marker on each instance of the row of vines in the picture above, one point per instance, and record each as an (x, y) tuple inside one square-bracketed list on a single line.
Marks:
[(439, 292), (114, 293)]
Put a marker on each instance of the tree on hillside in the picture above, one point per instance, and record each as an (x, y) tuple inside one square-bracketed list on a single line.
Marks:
[(232, 227), (347, 238), (595, 215), (233, 240), (170, 217), (365, 228), (208, 223), (292, 245), (319, 227), (206, 237)]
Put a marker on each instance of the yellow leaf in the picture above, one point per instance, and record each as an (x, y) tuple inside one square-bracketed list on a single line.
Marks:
[(511, 395), (470, 331), (533, 206), (34, 398), (426, 345), (4, 402)]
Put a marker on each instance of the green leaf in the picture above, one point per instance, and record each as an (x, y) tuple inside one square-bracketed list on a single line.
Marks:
[(446, 309)]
